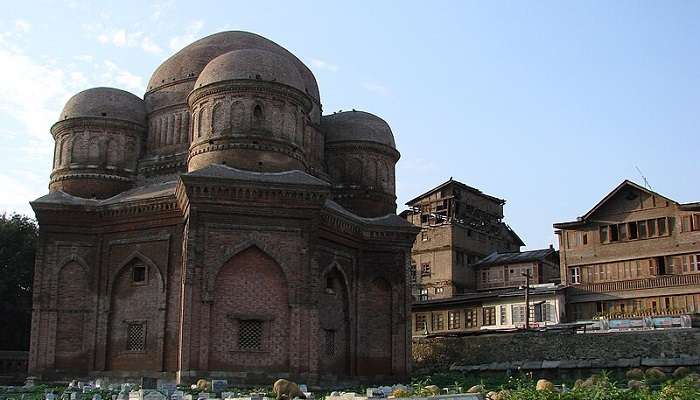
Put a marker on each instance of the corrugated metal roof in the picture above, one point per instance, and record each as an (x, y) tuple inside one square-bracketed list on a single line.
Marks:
[(514, 257)]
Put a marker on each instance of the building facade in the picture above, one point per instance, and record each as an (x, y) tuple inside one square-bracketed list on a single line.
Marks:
[(498, 303), (459, 225), (635, 254), (221, 226)]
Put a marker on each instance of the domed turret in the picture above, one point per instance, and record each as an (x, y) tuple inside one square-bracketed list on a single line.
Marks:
[(168, 88), (249, 111), (361, 158), (98, 138)]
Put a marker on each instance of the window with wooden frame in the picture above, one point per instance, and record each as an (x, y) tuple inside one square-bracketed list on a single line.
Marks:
[(423, 296), (690, 223), (471, 318), (421, 321), (453, 320), (489, 316), (575, 275), (438, 321)]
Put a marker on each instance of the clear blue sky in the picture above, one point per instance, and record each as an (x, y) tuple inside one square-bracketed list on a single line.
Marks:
[(548, 105)]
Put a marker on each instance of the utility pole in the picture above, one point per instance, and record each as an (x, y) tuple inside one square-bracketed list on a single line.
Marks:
[(527, 299)]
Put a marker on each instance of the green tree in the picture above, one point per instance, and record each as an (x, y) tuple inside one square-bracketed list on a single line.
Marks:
[(18, 240)]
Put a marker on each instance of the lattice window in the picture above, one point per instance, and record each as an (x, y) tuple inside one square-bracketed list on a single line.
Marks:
[(330, 342), (136, 336), (250, 334)]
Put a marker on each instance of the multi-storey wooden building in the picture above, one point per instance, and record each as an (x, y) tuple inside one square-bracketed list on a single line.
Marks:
[(498, 301), (459, 225), (635, 253)]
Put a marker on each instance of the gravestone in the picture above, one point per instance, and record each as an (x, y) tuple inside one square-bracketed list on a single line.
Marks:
[(153, 395), (218, 385), (167, 387), (177, 395), (50, 396), (149, 383)]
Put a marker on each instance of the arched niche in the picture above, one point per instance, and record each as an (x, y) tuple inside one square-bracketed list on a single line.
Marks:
[(249, 323), (334, 321)]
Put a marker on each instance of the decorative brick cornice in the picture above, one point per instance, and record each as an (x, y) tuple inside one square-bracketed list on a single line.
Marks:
[(191, 189), (83, 123), (252, 87), (259, 143), (363, 146), (61, 176)]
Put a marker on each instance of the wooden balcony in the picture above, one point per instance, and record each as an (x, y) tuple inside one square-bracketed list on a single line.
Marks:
[(635, 284)]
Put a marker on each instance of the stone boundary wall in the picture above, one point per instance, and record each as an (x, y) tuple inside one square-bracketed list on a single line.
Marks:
[(558, 351), (13, 366)]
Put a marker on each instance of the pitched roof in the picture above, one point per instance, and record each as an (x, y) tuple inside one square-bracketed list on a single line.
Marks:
[(147, 192), (461, 186), (390, 220), (601, 203), (514, 257), (293, 177)]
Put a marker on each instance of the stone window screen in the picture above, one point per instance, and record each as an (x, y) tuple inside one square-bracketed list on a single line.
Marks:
[(330, 341), (136, 336), (250, 334)]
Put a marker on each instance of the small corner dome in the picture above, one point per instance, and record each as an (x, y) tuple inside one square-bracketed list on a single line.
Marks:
[(251, 64), (362, 126), (103, 102)]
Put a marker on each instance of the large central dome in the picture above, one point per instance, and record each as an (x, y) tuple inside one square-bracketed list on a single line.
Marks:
[(187, 64)]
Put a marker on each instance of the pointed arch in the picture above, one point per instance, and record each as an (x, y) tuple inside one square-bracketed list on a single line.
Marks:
[(78, 149), (335, 320), (245, 334), (336, 265), (258, 115), (73, 303), (235, 250), (114, 155), (237, 115), (72, 258), (219, 121), (136, 255), (123, 292)]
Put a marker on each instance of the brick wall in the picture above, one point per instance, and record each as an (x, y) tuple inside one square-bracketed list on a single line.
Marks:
[(248, 276)]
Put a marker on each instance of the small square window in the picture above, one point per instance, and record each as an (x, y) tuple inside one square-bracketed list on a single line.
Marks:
[(138, 274), (250, 334)]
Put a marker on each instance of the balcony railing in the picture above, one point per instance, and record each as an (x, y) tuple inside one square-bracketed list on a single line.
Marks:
[(646, 283)]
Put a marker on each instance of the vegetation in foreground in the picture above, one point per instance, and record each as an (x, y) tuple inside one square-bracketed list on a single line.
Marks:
[(649, 386)]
